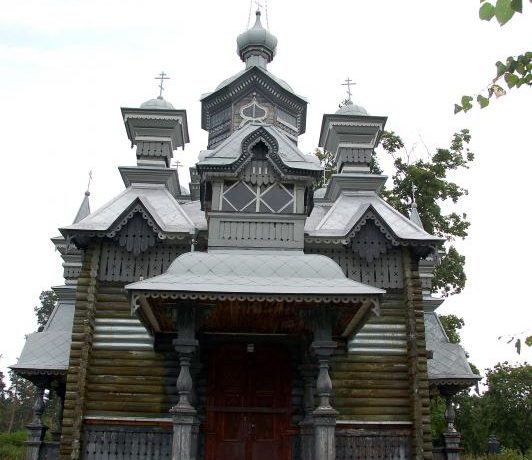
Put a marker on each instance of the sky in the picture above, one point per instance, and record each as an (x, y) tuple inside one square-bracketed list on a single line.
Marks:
[(67, 66)]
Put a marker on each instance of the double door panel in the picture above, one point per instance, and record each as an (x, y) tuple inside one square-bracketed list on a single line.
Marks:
[(248, 411)]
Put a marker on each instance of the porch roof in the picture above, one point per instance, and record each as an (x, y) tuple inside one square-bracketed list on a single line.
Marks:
[(256, 272)]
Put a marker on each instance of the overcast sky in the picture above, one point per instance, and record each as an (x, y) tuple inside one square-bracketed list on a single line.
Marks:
[(67, 66)]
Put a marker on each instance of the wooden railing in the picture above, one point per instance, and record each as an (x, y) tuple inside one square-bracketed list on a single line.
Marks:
[(127, 442), (367, 445)]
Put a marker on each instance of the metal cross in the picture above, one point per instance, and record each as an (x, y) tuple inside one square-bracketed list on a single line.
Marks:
[(348, 83), (90, 180), (162, 76), (259, 5)]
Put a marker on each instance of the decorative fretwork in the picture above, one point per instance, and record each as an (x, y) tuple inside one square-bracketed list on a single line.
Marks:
[(369, 243), (118, 264), (243, 197), (385, 272), (137, 236)]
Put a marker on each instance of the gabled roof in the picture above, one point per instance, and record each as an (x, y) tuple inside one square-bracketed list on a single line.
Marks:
[(251, 69), (449, 362), (230, 150), (342, 216), (159, 203)]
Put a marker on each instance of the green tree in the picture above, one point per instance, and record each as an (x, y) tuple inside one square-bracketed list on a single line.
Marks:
[(21, 397), (433, 189), (452, 325), (509, 404), (516, 71), (430, 178), (43, 311)]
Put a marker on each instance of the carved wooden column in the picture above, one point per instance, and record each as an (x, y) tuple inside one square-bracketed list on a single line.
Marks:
[(36, 428), (324, 416), (451, 438), (183, 413), (308, 372)]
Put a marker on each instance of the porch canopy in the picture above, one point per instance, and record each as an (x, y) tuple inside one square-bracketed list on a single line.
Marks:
[(254, 292)]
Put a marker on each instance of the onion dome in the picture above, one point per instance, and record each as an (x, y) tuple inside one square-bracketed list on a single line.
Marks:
[(159, 103), (351, 109), (256, 46)]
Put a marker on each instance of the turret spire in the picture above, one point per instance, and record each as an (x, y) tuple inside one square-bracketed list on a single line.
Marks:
[(84, 209)]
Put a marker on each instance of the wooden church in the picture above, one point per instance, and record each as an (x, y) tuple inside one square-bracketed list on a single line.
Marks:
[(256, 317)]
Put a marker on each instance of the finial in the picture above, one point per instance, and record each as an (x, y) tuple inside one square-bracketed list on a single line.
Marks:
[(414, 190), (348, 83), (162, 76), (87, 192), (414, 214)]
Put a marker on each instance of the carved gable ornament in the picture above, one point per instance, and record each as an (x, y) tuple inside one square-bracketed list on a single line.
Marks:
[(136, 231), (370, 238), (253, 111)]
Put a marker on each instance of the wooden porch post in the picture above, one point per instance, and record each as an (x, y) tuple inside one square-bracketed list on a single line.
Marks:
[(324, 416), (308, 372), (184, 443)]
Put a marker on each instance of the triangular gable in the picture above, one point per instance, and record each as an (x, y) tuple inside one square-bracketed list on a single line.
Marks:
[(234, 152), (345, 214), (155, 204)]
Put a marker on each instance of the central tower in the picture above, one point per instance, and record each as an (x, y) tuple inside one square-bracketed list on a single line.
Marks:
[(253, 94)]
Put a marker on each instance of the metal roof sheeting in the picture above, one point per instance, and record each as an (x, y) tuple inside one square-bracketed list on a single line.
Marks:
[(157, 200), (230, 149), (351, 206), (260, 272)]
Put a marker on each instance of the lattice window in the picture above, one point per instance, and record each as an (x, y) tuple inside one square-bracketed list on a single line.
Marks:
[(275, 198)]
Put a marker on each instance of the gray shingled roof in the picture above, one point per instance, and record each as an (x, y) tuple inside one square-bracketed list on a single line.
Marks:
[(340, 217), (49, 351), (256, 272), (449, 361), (157, 200), (231, 148), (235, 77)]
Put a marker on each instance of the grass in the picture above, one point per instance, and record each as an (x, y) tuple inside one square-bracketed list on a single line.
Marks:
[(12, 446)]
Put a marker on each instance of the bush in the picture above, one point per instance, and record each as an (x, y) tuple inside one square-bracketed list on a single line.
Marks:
[(12, 446), (507, 454)]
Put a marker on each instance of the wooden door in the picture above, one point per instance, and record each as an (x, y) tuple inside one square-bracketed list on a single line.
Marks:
[(248, 408)]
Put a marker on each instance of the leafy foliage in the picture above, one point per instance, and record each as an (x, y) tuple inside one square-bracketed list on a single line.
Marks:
[(433, 188), (509, 404), (505, 410), (452, 325), (516, 71), (328, 165), (430, 178), (43, 311), (12, 446)]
